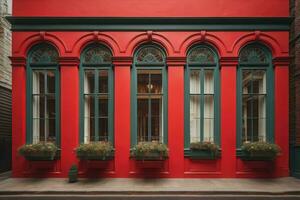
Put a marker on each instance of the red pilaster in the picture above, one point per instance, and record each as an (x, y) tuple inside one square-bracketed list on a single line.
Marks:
[(69, 84), (18, 113), (281, 114), (228, 115), (176, 115), (122, 114)]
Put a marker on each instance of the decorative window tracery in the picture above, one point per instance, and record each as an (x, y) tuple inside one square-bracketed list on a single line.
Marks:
[(201, 55), (97, 55), (44, 54), (150, 55), (253, 55)]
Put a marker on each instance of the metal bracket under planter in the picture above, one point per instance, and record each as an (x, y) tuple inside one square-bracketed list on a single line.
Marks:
[(96, 162), (245, 156), (203, 155), (45, 165), (150, 164)]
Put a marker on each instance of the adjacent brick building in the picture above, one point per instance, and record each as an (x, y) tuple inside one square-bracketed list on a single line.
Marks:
[(5, 89), (295, 87)]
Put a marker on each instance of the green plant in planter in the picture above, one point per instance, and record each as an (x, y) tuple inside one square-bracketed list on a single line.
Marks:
[(150, 151), (73, 173), (204, 150), (259, 151), (95, 151), (39, 151)]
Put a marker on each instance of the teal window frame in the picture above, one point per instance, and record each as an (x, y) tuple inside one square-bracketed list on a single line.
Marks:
[(254, 64), (201, 63), (98, 63), (148, 65), (42, 62)]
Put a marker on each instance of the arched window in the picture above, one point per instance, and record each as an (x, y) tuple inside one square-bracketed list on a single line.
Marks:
[(201, 96), (96, 96), (149, 95), (43, 94), (255, 94)]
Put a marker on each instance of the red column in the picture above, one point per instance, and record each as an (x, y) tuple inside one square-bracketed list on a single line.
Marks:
[(18, 113), (69, 109), (176, 115), (281, 118), (228, 116), (122, 115)]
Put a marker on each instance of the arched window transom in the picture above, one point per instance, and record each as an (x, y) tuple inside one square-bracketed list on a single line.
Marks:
[(150, 55), (253, 55), (201, 55), (97, 55), (43, 54)]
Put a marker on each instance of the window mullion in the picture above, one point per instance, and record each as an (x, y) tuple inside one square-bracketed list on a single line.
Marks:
[(202, 104), (45, 105), (149, 108), (96, 102), (251, 106)]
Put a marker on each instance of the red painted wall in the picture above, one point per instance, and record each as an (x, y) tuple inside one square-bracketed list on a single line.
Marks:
[(227, 44), (152, 8), (176, 44)]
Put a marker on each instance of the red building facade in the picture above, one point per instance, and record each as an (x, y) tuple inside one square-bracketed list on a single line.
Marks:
[(226, 41)]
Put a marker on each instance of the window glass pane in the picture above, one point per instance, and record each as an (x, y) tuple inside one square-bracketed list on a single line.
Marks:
[(50, 81), (156, 119), (247, 78), (208, 106), (208, 81), (259, 81), (103, 81), (262, 129), (103, 106), (156, 83), (208, 131), (103, 128), (259, 112), (37, 130), (142, 122), (89, 115), (89, 106), (195, 82), (143, 83), (38, 82), (38, 106), (246, 109), (89, 81), (50, 130), (50, 106), (247, 129), (194, 118), (89, 129)]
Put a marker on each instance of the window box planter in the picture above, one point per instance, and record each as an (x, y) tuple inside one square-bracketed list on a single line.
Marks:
[(150, 154), (259, 151), (39, 152), (203, 155), (95, 151), (204, 151)]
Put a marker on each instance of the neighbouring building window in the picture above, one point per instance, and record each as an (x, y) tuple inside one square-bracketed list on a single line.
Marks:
[(255, 94), (43, 94), (201, 95), (96, 83), (149, 95)]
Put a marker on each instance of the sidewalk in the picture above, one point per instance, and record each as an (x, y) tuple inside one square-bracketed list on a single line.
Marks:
[(282, 186)]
